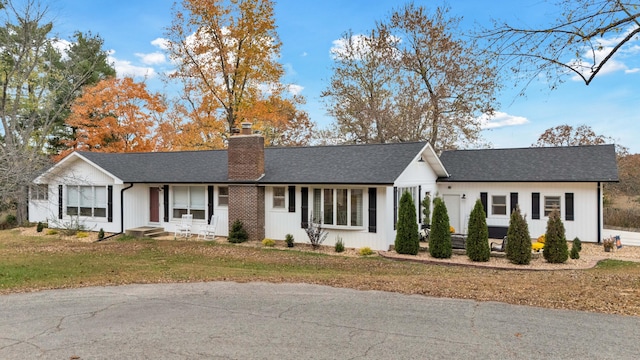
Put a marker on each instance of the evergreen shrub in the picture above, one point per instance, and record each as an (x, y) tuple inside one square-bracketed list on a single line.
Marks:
[(478, 234), (407, 236), (440, 246), (518, 239), (555, 247)]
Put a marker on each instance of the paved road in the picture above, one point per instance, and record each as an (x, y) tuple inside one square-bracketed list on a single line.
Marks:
[(221, 320)]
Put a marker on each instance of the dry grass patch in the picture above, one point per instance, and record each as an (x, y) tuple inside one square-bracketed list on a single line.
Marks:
[(43, 262)]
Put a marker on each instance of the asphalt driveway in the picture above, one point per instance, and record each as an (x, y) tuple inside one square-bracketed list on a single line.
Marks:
[(224, 320)]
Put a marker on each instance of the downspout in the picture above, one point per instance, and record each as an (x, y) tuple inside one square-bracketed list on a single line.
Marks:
[(599, 214), (121, 212)]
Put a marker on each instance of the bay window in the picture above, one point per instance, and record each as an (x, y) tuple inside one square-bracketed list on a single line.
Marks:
[(340, 207)]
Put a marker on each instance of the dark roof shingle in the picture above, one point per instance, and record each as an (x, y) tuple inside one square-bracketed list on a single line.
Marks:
[(341, 164), (537, 164)]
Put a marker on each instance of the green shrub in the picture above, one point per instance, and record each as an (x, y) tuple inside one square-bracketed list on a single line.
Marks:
[(52, 232), (478, 234), (289, 240), (101, 234), (576, 246), (365, 251), (440, 237), (407, 236), (268, 242), (40, 227), (426, 209), (238, 234), (12, 220), (555, 245), (518, 239), (339, 244), (82, 234)]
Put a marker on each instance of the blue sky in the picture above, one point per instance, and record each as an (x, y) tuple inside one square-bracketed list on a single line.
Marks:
[(308, 29)]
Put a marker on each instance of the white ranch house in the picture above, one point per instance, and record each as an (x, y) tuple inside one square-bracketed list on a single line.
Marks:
[(354, 189)]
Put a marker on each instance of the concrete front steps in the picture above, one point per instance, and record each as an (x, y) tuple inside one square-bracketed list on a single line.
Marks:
[(147, 231)]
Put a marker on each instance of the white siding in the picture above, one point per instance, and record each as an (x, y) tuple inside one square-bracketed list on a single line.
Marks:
[(585, 224), (279, 222)]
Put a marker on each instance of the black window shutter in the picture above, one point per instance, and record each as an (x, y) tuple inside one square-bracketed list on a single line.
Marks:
[(419, 204), (292, 199), (304, 208), (209, 202), (165, 191), (514, 202), (60, 201), (373, 195), (395, 207), (483, 199), (568, 206), (535, 206), (110, 203)]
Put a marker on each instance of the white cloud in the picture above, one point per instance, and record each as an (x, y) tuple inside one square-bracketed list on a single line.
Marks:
[(160, 43), (295, 89), (500, 119), (358, 46), (125, 68), (62, 46), (304, 54), (153, 58), (603, 47)]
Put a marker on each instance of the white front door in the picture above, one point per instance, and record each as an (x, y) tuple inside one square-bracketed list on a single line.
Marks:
[(452, 202)]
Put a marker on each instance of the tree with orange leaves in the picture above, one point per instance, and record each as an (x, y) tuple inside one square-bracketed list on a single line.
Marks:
[(116, 115), (226, 52)]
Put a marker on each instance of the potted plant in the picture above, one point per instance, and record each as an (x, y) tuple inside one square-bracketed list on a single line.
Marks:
[(608, 244)]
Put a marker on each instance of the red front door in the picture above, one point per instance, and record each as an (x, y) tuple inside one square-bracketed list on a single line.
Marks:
[(154, 205)]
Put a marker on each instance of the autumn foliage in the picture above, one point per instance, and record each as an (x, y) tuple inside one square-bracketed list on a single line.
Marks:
[(115, 115)]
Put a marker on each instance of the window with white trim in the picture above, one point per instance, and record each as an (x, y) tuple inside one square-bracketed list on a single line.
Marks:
[(551, 203), (223, 196), (90, 201), (278, 197), (498, 205), (339, 207), (189, 200), (40, 192)]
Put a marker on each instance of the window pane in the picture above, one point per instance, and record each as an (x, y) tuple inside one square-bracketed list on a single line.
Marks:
[(356, 207), (72, 210), (101, 197), (72, 195), (499, 205), (328, 206), (177, 213), (317, 205), (197, 214), (278, 197), (341, 205), (100, 212), (86, 197), (43, 192), (198, 197), (180, 197), (223, 196), (551, 203), (85, 211)]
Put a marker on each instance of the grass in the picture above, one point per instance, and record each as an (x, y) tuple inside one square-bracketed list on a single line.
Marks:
[(46, 262)]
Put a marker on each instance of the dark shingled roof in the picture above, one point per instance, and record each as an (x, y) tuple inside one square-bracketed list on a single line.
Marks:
[(536, 164), (342, 164)]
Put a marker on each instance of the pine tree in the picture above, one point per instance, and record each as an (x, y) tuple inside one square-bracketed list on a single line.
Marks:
[(555, 246), (576, 246), (478, 234), (440, 236), (407, 237), (518, 239)]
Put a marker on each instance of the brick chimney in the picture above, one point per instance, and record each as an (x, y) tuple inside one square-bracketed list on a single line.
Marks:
[(245, 166)]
